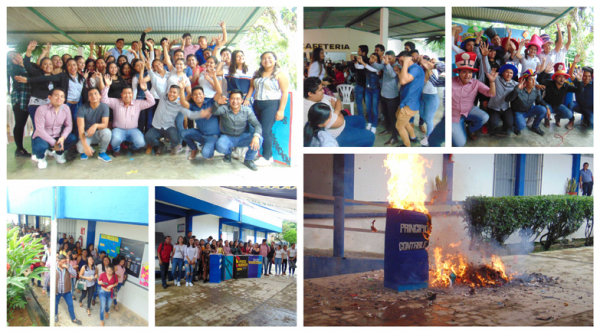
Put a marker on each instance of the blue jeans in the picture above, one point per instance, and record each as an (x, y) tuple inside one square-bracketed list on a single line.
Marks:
[(39, 146), (145, 119), (265, 113), (74, 108), (438, 136), (192, 135), (355, 134), (459, 133), (359, 96), (104, 302), (270, 264), (31, 109), (372, 101), (588, 115), (226, 143), (189, 271), (116, 290), (177, 269), (537, 111), (68, 296), (562, 112), (277, 265), (429, 104), (154, 134), (96, 290), (133, 135), (292, 270), (73, 285), (265, 265)]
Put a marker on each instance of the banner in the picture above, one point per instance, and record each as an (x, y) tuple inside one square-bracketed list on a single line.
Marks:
[(109, 244), (144, 278), (133, 251)]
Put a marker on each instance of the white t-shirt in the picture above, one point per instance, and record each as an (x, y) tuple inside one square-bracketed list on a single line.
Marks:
[(429, 88), (554, 57), (174, 80), (292, 252), (209, 91), (313, 70), (278, 254), (528, 63), (327, 100), (179, 251), (192, 253)]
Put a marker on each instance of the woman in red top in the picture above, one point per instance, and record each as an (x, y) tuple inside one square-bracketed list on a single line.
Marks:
[(107, 281), (339, 77)]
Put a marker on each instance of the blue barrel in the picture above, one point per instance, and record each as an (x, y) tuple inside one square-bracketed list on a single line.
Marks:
[(254, 266), (406, 262), (227, 270), (215, 263)]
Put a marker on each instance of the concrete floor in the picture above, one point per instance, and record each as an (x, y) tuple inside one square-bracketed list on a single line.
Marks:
[(44, 301), (266, 301), (123, 317), (361, 300), (579, 136), (140, 166)]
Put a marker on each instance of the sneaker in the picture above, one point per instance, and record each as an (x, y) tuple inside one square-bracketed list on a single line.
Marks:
[(369, 126), (42, 164), (193, 154), (60, 159), (104, 157), (116, 153), (83, 157), (424, 142), (22, 153), (538, 131), (227, 158), (262, 162), (374, 130), (414, 139), (191, 284), (235, 153), (148, 149), (250, 165)]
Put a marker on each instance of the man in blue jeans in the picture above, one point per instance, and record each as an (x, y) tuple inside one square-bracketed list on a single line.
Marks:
[(586, 180), (264, 250), (348, 131), (236, 122), (64, 272), (361, 78), (556, 90), (522, 99), (584, 101)]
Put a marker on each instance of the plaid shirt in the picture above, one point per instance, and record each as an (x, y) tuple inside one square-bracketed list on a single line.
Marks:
[(61, 278), (21, 92)]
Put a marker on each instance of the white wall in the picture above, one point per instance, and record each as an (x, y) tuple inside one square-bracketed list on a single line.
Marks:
[(555, 171), (371, 176), (78, 225), (473, 175), (169, 228), (205, 225), (132, 295)]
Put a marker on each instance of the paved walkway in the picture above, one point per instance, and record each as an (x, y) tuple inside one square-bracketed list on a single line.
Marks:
[(123, 317), (361, 300), (267, 301)]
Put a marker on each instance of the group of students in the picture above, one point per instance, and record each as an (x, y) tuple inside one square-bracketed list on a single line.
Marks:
[(393, 87), (192, 256), (88, 271), (497, 82), (148, 93)]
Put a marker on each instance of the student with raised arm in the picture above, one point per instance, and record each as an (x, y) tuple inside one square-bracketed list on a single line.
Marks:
[(203, 44), (559, 52)]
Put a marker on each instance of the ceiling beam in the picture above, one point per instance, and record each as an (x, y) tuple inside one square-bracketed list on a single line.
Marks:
[(52, 25), (121, 32), (494, 21), (558, 17), (335, 9), (419, 33), (518, 10), (324, 18), (413, 21), (244, 25), (363, 16), (399, 12)]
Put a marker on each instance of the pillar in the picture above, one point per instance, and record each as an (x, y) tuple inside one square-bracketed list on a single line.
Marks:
[(384, 18)]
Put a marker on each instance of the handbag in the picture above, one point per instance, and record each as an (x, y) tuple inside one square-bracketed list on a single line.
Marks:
[(81, 285)]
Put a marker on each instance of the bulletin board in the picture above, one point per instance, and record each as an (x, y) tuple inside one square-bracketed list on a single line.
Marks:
[(109, 244), (133, 251)]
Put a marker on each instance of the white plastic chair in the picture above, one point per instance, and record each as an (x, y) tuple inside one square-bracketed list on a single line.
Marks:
[(345, 90)]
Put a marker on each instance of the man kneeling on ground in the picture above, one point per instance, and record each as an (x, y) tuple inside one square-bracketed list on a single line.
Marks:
[(53, 125), (92, 122)]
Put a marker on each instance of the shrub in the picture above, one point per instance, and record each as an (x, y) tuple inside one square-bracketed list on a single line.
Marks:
[(549, 217)]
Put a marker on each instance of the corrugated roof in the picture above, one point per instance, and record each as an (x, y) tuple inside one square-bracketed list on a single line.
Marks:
[(404, 22), (539, 17), (104, 25)]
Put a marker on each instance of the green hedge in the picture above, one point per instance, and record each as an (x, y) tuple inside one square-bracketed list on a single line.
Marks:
[(552, 217)]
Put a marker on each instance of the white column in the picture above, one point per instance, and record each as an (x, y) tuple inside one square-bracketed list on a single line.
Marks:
[(80, 50), (384, 19)]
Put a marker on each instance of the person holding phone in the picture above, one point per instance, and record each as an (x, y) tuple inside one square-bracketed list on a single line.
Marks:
[(107, 282)]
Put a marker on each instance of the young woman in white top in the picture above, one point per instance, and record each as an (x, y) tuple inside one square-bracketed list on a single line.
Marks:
[(190, 260), (206, 82), (89, 274), (177, 74), (178, 257), (284, 259), (317, 65), (278, 257), (292, 258), (529, 59)]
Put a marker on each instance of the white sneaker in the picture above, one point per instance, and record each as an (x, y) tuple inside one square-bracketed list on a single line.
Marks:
[(60, 159), (42, 164), (191, 284), (262, 162), (235, 153), (425, 142), (374, 130), (369, 126), (34, 157)]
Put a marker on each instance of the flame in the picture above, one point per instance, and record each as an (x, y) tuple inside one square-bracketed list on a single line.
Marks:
[(407, 181)]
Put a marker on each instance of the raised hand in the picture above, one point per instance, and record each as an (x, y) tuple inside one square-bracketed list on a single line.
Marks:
[(521, 83), (385, 60), (148, 30), (32, 45), (222, 24), (479, 33), (492, 76), (212, 73), (86, 74), (579, 76), (47, 47), (107, 79), (508, 31), (577, 58), (223, 100), (360, 60), (483, 47), (549, 67), (97, 75), (181, 84), (569, 26), (143, 85)]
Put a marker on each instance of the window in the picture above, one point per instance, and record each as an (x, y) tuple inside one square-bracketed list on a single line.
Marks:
[(260, 236), (504, 175), (533, 174)]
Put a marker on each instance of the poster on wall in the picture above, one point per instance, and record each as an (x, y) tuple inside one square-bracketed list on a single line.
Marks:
[(133, 251), (109, 244), (145, 275)]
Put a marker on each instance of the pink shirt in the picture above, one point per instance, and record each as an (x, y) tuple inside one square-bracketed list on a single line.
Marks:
[(463, 96), (264, 250), (119, 272), (48, 124), (126, 116), (190, 49)]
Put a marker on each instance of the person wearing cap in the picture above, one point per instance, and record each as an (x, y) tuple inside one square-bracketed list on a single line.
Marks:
[(558, 53), (470, 43), (497, 106), (464, 91), (64, 273), (584, 101), (118, 49), (509, 44), (556, 90), (493, 36), (526, 102), (530, 60)]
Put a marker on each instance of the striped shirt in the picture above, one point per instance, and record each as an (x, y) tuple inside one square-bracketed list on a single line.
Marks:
[(61, 278), (267, 88), (21, 92)]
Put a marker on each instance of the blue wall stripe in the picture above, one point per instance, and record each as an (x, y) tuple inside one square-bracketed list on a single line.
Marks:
[(575, 168), (91, 232), (184, 200), (260, 224), (520, 174), (448, 171), (349, 176)]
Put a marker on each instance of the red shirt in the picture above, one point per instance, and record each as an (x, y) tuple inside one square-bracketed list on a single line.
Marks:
[(105, 282), (165, 249)]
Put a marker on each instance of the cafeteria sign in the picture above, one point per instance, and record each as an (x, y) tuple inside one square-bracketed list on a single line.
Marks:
[(328, 46)]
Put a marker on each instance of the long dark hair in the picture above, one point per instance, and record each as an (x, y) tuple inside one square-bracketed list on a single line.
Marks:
[(80, 77), (192, 243), (261, 70), (317, 115), (316, 56), (233, 65)]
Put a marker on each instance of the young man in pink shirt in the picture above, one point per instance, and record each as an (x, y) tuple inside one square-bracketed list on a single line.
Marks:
[(264, 252)]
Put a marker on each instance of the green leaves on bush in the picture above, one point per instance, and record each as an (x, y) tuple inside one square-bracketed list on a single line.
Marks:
[(550, 217)]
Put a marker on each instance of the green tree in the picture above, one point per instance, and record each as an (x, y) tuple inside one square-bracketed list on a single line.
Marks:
[(290, 236)]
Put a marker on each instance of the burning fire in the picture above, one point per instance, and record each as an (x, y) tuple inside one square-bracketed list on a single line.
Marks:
[(450, 264)]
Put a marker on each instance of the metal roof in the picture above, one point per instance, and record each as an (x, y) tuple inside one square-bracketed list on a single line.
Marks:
[(404, 22), (104, 25), (540, 17)]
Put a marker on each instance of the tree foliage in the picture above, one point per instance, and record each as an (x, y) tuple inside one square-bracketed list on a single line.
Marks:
[(290, 236)]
